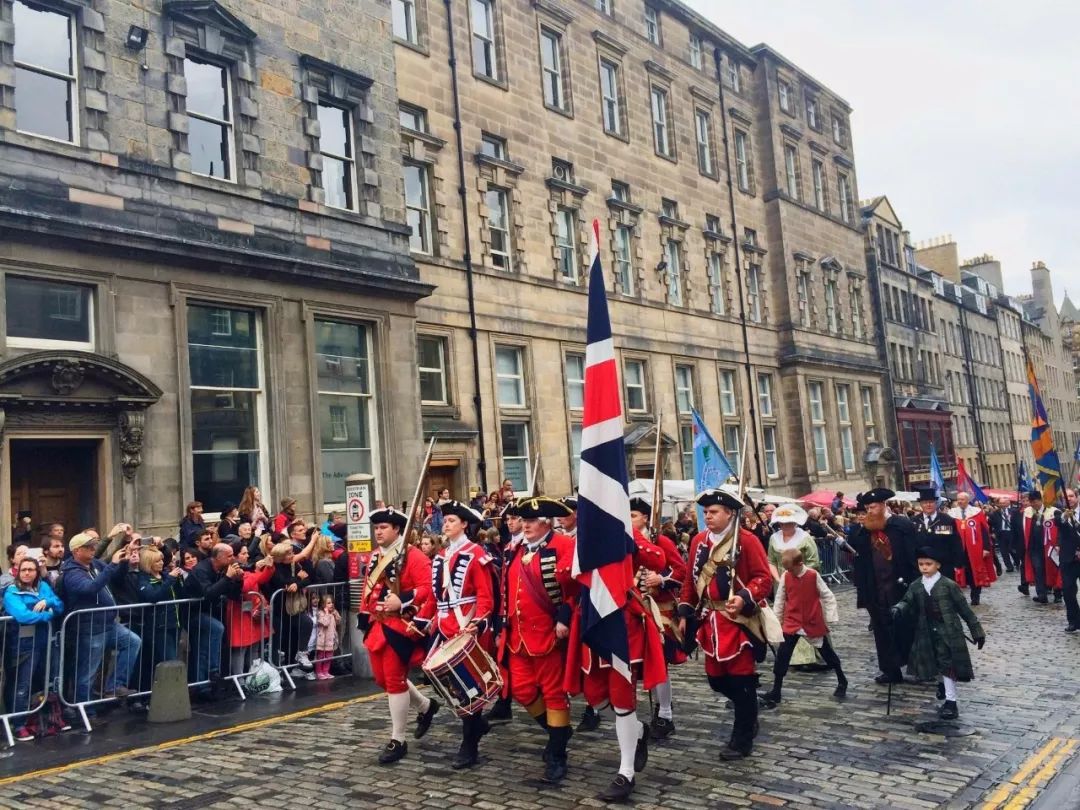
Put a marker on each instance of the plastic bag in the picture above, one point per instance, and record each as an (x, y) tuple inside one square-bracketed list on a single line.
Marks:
[(264, 678)]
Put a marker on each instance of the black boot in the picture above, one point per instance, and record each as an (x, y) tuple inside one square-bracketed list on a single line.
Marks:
[(941, 690), (744, 698), (1023, 588), (770, 699), (590, 720), (500, 712), (841, 688), (555, 770), (948, 710), (473, 727)]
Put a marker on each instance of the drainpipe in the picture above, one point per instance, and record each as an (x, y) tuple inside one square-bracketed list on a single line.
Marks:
[(750, 387), (481, 463)]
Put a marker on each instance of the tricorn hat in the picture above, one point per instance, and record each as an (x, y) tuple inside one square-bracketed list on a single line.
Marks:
[(541, 507), (640, 505), (879, 495), (461, 510), (389, 515), (718, 497)]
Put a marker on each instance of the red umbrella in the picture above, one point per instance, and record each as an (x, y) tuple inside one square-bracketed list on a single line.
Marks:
[(1000, 493), (824, 497)]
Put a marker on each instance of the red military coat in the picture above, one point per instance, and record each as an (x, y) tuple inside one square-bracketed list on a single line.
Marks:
[(539, 594), (461, 577), (974, 531), (402, 631), (1051, 552), (720, 637)]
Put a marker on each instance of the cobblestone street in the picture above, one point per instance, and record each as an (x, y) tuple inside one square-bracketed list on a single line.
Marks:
[(813, 752)]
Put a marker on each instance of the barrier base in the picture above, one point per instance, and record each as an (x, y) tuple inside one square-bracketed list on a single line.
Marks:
[(169, 700)]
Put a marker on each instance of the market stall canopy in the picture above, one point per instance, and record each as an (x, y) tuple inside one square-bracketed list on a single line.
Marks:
[(824, 497)]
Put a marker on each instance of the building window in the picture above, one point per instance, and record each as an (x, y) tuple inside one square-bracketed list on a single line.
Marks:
[(768, 435), (802, 296), (844, 185), (228, 422), (791, 171), (742, 159), (493, 146), (818, 169), (45, 72), (575, 455), (346, 405), (515, 455), (832, 320), (336, 148), (856, 311), (652, 25), (605, 7), (703, 131), (403, 13), (412, 118), (764, 388), (418, 206), (727, 392), (485, 58), (717, 292), (510, 376), (661, 123), (684, 389), (209, 109), (48, 314), (732, 446), (669, 208), (499, 228), (753, 292), (817, 420), (634, 383), (565, 239), (838, 130), (624, 269), (847, 446), (431, 354), (611, 107), (695, 51), (551, 68), (674, 273), (812, 119), (686, 442), (733, 75), (620, 191), (575, 381), (783, 94)]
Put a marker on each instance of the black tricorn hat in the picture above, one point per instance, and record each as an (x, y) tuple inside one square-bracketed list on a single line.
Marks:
[(640, 505), (461, 510), (570, 502), (541, 507), (879, 495), (389, 515), (718, 497)]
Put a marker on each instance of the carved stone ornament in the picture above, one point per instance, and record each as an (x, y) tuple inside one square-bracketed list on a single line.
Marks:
[(132, 424), (67, 376)]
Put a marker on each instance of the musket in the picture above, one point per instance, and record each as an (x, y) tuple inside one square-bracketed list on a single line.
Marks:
[(535, 471), (733, 555), (658, 483), (410, 521)]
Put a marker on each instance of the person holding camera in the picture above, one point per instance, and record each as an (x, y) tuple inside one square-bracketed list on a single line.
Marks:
[(214, 580)]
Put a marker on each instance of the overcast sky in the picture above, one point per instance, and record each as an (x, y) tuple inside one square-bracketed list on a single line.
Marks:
[(965, 114)]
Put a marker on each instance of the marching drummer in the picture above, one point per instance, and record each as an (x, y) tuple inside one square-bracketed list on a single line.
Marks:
[(397, 594), (540, 591), (462, 578)]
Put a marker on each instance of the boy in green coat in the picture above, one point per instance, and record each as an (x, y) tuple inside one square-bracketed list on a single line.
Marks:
[(935, 605)]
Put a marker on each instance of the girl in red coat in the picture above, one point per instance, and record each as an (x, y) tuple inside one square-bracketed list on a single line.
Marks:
[(805, 607)]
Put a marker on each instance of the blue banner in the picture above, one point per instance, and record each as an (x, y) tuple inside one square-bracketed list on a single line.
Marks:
[(711, 467)]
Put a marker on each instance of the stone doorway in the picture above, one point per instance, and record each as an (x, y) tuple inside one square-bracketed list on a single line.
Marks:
[(57, 481)]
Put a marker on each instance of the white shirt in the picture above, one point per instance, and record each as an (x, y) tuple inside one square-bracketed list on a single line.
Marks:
[(928, 519), (931, 581), (456, 545)]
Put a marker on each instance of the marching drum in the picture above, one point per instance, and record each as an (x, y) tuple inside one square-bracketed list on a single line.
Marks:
[(463, 673)]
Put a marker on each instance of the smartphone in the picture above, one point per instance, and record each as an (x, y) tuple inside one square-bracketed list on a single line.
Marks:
[(35, 553)]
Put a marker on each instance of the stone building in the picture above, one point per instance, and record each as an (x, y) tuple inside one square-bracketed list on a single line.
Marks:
[(204, 258), (723, 180)]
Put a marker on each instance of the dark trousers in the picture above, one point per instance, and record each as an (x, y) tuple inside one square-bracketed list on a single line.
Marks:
[(1017, 548), (1070, 573), (888, 657), (741, 690), (1038, 563), (783, 660)]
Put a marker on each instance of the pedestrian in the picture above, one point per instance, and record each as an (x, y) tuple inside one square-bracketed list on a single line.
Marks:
[(285, 516), (292, 625), (975, 566), (938, 529), (1001, 524), (1069, 534), (191, 524), (326, 636), (245, 613), (935, 605), (158, 626), (1041, 552), (805, 608), (214, 580), (52, 554), (254, 511)]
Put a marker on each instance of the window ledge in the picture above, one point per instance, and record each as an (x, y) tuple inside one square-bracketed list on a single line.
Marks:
[(564, 112), (791, 131), (717, 237), (617, 136), (564, 185), (433, 141), (670, 158), (488, 160), (412, 46), (502, 84), (623, 205)]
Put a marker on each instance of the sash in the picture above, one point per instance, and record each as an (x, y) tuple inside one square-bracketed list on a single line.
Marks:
[(386, 558), (717, 559)]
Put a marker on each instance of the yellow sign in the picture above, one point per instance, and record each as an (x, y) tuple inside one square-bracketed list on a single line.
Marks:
[(359, 546)]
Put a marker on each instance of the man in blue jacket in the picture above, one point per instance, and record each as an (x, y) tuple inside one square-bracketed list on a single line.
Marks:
[(87, 584)]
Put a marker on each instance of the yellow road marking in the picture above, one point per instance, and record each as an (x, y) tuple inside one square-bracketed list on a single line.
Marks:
[(207, 735), (1022, 787)]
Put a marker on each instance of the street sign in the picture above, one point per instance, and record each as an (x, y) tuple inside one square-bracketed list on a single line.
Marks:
[(356, 513)]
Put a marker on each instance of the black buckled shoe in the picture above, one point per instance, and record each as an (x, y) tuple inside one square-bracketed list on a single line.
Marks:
[(769, 700), (1024, 590), (555, 770), (590, 720), (949, 710), (619, 790), (1071, 628), (641, 752), (841, 690), (661, 728), (735, 751), (392, 752), (423, 720)]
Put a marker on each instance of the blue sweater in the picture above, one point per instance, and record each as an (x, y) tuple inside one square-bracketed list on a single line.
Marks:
[(20, 604), (89, 587)]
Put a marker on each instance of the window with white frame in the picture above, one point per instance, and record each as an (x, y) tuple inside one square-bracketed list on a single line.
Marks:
[(832, 320), (565, 244), (431, 355), (418, 206), (493, 146), (210, 118), (732, 446), (817, 430), (812, 113), (703, 132), (783, 94), (768, 436), (674, 273), (516, 462), (742, 159), (575, 455), (753, 292), (634, 385), (717, 291), (47, 314), (498, 210), (855, 305), (765, 398), (727, 392), (844, 187), (336, 148), (605, 7), (733, 75), (610, 98), (791, 170), (575, 381), (838, 130), (686, 445), (802, 297), (403, 18), (847, 443), (484, 52), (684, 389), (695, 51), (652, 25), (227, 388), (413, 118), (660, 117), (46, 72), (510, 376), (551, 68), (818, 170), (624, 268)]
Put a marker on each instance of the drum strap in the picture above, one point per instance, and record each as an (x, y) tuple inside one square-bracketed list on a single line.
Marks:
[(453, 597)]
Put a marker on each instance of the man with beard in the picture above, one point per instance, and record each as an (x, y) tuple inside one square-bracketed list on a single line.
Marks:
[(937, 530), (884, 567)]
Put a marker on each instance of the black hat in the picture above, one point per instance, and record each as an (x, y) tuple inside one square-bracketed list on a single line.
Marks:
[(461, 510), (928, 494), (1034, 495), (879, 495), (389, 515), (570, 502), (639, 505), (929, 552), (510, 510), (860, 508), (541, 507), (715, 497)]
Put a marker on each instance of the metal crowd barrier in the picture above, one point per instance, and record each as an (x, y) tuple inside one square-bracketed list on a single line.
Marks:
[(835, 562), (27, 655), (292, 644), (242, 660)]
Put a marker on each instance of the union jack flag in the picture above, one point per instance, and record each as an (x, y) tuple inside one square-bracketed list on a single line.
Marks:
[(605, 537)]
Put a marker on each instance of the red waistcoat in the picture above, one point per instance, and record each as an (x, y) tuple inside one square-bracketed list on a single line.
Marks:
[(802, 606)]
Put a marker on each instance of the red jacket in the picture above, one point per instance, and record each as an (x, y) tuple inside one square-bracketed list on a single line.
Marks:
[(802, 606), (674, 572), (414, 591), (245, 627), (1050, 547), (529, 611), (463, 583), (974, 531)]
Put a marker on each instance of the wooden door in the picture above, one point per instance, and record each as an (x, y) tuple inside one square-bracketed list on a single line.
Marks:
[(56, 481), (444, 476)]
